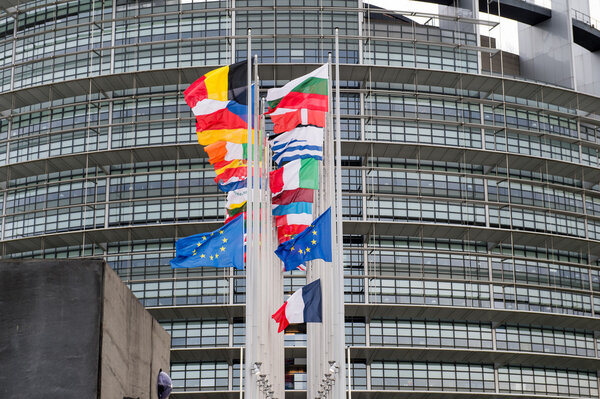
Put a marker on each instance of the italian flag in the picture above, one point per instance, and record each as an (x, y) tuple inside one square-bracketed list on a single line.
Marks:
[(301, 173), (308, 91)]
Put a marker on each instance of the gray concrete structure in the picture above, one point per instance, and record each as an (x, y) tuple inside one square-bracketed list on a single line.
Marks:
[(549, 53), (72, 329)]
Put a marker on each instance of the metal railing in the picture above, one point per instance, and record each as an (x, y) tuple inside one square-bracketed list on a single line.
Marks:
[(586, 19)]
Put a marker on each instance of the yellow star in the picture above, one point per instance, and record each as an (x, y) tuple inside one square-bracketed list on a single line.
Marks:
[(224, 239), (307, 249), (202, 256), (300, 251), (314, 242), (194, 253), (199, 243), (314, 233), (204, 238), (212, 234), (292, 248), (222, 249), (216, 255), (211, 257), (220, 231)]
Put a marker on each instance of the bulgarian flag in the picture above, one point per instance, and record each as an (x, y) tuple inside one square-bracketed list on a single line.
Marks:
[(308, 91), (304, 306), (301, 173), (225, 151)]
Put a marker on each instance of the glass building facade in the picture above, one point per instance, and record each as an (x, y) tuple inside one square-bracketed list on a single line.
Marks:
[(471, 199)]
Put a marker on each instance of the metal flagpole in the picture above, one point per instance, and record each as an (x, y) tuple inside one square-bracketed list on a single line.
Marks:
[(250, 247), (321, 336), (327, 268), (258, 280), (338, 265)]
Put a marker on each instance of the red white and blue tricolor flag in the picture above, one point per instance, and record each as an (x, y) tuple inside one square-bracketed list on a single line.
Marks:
[(304, 306)]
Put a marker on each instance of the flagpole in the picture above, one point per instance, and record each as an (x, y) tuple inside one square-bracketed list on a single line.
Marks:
[(250, 269), (338, 267), (330, 202)]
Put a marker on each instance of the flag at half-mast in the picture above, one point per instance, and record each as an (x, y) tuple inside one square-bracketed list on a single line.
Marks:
[(304, 306), (223, 247), (299, 143), (219, 101), (298, 111), (309, 92), (313, 243)]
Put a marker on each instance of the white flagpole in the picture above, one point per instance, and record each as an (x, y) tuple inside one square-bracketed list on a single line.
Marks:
[(250, 247), (338, 266)]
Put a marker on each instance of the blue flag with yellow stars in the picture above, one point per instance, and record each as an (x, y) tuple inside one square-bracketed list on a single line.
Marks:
[(221, 248), (313, 243)]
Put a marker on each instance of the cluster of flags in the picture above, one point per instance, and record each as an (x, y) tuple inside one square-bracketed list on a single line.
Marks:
[(298, 111), (219, 100)]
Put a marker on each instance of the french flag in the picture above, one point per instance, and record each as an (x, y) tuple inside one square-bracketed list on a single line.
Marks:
[(304, 306)]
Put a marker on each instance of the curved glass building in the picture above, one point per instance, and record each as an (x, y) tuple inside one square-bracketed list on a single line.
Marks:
[(471, 181)]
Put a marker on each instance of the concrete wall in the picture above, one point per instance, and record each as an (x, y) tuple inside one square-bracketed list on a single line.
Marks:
[(545, 49), (134, 345), (50, 317), (72, 329), (548, 53)]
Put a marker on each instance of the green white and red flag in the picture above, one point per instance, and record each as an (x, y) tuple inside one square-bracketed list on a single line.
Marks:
[(301, 173), (308, 92)]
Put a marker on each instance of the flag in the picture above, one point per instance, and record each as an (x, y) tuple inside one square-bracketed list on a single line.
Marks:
[(304, 306), (219, 101), (285, 119), (299, 143), (313, 243), (164, 385), (289, 231), (231, 214), (236, 198), (297, 195), (221, 248), (228, 170), (288, 226), (301, 173), (232, 116), (222, 84), (294, 218), (308, 91), (294, 207), (235, 183), (225, 151)]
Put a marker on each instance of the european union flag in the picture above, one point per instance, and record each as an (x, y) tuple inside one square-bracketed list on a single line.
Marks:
[(221, 248), (313, 243)]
